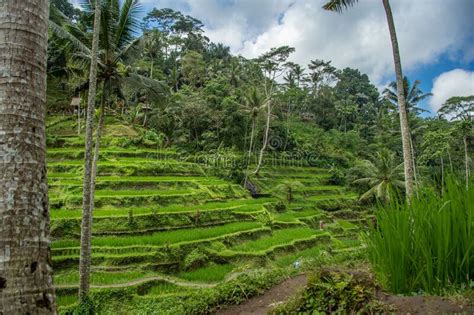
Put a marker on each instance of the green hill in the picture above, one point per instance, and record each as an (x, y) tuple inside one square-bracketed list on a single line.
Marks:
[(163, 226)]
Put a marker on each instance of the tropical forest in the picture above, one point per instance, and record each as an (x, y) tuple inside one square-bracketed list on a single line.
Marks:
[(236, 157)]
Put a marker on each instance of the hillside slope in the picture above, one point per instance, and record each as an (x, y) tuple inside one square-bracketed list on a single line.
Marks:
[(165, 227)]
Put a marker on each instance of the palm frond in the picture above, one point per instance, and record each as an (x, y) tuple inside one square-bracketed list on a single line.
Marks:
[(153, 87), (127, 24), (130, 51), (339, 5), (73, 40)]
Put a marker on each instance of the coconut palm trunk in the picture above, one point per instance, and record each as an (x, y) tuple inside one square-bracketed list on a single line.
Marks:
[(252, 134), (412, 147), (86, 225), (98, 135), (405, 128), (265, 138), (26, 284)]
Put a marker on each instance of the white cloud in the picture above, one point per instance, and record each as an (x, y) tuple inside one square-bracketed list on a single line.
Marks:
[(456, 82), (359, 37)]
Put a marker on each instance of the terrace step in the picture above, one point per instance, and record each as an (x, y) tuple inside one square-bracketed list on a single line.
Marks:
[(130, 167), (128, 198), (236, 205), (166, 278), (62, 154), (294, 245)]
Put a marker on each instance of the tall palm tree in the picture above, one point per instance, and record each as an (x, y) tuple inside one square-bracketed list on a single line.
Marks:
[(413, 95), (382, 175), (118, 24), (254, 103), (152, 41), (26, 284), (87, 199), (338, 6)]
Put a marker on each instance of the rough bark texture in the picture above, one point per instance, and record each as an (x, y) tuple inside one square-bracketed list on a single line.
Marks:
[(265, 138), (26, 285), (98, 135), (405, 128), (252, 133), (86, 226)]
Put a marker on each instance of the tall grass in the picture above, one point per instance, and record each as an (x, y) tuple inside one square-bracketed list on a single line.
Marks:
[(427, 245)]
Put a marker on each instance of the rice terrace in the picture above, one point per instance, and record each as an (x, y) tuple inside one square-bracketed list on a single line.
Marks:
[(236, 157)]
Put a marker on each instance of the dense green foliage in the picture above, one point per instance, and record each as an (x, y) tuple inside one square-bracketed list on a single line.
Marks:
[(186, 125), (335, 291), (193, 93), (428, 244)]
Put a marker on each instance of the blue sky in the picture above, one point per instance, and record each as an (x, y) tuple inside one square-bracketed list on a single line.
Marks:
[(436, 37), (427, 73)]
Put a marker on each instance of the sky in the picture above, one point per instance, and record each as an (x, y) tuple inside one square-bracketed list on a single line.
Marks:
[(436, 37)]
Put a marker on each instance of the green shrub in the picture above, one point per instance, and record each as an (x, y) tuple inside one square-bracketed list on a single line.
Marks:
[(334, 292), (195, 259), (337, 176), (427, 245)]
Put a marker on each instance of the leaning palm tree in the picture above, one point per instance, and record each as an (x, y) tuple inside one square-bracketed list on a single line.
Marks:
[(338, 6), (26, 284), (254, 103), (382, 175)]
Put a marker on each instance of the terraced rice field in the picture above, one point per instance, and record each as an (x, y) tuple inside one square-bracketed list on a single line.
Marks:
[(168, 223)]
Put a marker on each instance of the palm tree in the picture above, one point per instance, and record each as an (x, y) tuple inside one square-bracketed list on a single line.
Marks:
[(152, 47), (413, 95), (382, 175), (273, 65), (86, 225), (26, 284), (461, 109), (338, 6), (288, 188), (116, 47), (254, 103)]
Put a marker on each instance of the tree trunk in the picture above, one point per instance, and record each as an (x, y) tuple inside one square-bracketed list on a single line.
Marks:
[(265, 138), (95, 159), (413, 158), (252, 134), (79, 118), (288, 116), (466, 161), (450, 162), (405, 129), (86, 225), (151, 69), (26, 284)]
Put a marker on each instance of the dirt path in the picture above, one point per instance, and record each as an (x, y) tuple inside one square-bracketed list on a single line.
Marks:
[(426, 305), (141, 281), (262, 304)]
